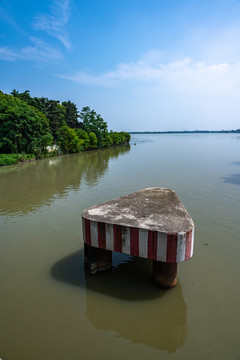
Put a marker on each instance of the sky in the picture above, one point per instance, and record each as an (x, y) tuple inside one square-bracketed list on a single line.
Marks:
[(144, 65)]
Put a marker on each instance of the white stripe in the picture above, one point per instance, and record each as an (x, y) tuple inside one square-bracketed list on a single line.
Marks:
[(126, 240), (192, 244), (143, 243), (181, 246), (94, 233), (109, 236), (162, 247), (83, 229)]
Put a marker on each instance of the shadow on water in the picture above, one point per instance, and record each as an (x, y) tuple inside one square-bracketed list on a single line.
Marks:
[(26, 187), (232, 179), (139, 311), (131, 273)]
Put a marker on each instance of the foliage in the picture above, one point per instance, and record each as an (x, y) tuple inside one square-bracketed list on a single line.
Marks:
[(69, 141), (56, 116), (55, 113), (71, 114), (31, 125), (121, 137), (46, 141), (21, 126), (11, 159), (83, 136), (93, 122), (8, 159), (93, 140)]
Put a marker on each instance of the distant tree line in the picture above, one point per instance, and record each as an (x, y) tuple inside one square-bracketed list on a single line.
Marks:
[(187, 132), (32, 125)]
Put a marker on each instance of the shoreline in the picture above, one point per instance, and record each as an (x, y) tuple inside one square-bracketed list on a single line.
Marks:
[(55, 156)]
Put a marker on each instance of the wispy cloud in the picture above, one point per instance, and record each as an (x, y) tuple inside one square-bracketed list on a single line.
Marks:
[(39, 51), (183, 76), (7, 54), (9, 20), (55, 24)]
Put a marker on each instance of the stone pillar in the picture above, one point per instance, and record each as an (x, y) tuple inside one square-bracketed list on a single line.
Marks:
[(96, 259), (104, 259), (164, 274)]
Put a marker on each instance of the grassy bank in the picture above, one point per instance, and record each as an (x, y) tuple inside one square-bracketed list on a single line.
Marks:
[(12, 159)]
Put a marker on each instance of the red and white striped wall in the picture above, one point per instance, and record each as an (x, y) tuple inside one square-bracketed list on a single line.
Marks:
[(170, 248)]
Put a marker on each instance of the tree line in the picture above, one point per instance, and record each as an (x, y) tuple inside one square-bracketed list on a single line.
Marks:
[(33, 125)]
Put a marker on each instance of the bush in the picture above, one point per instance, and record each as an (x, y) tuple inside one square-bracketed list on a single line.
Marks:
[(11, 159), (8, 159), (82, 135), (93, 140), (69, 141), (25, 157)]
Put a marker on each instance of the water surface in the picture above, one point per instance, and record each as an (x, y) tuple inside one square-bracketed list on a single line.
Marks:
[(51, 309)]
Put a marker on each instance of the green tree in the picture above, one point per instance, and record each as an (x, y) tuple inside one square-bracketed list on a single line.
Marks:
[(46, 140), (21, 126), (69, 141), (14, 92), (116, 139), (93, 140), (107, 140), (66, 114), (52, 109), (93, 122), (83, 136), (56, 116), (71, 114)]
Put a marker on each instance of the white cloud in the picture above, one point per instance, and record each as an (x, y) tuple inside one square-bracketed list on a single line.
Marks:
[(55, 24), (183, 76), (150, 94), (7, 54), (39, 51)]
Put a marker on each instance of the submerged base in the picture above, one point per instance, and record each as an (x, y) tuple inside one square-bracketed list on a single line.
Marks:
[(164, 274), (96, 259)]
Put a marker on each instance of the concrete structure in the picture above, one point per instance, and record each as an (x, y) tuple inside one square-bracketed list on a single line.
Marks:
[(150, 223)]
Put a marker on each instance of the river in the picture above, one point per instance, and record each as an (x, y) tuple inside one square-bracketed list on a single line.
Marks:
[(51, 309)]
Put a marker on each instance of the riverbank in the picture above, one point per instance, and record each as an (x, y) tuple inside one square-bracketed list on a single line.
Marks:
[(14, 159)]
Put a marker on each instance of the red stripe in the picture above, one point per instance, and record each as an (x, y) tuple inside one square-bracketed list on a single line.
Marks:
[(152, 245), (101, 235), (188, 245), (134, 241), (171, 248), (87, 231), (117, 236)]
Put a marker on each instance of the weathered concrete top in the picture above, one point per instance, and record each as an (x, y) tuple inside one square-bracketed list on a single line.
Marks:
[(154, 209)]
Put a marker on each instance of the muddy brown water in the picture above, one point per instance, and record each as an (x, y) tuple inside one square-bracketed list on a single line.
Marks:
[(51, 309)]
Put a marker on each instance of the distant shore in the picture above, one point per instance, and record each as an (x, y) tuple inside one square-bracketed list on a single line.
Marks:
[(187, 132)]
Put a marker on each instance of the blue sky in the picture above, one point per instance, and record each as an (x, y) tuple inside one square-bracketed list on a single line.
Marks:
[(141, 64)]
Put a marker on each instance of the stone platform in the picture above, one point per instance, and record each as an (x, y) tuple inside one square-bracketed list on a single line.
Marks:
[(150, 223)]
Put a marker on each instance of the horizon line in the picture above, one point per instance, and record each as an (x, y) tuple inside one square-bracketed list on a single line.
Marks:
[(184, 131)]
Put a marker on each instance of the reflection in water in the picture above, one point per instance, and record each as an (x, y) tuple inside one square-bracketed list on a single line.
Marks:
[(26, 187), (134, 309)]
